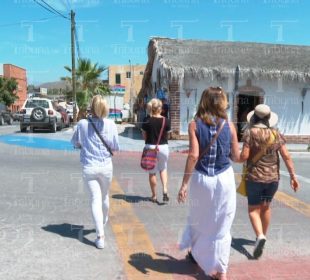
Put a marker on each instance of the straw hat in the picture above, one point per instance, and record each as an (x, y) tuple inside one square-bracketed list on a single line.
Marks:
[(262, 117)]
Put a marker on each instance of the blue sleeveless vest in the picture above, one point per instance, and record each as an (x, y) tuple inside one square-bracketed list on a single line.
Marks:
[(217, 158)]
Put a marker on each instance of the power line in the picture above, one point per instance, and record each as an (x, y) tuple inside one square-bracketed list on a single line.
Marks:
[(44, 7), (51, 10), (30, 21), (54, 9)]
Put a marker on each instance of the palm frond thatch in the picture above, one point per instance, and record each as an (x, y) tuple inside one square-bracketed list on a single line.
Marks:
[(179, 59)]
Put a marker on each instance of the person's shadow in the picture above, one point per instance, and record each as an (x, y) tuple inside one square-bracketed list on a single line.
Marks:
[(238, 245), (132, 133), (135, 199), (166, 264), (71, 231)]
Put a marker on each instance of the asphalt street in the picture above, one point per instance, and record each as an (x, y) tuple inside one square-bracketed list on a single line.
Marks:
[(46, 229)]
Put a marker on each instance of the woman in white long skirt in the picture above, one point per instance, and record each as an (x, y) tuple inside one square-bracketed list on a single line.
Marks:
[(213, 142)]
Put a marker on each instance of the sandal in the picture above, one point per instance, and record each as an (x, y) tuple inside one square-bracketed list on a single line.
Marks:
[(165, 197), (154, 199)]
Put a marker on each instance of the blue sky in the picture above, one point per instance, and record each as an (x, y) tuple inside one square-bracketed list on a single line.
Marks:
[(115, 31)]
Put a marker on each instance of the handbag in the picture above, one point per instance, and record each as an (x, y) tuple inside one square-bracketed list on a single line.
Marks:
[(149, 156), (242, 185), (100, 136)]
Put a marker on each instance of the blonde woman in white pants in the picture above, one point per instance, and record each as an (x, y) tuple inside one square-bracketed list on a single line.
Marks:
[(96, 160)]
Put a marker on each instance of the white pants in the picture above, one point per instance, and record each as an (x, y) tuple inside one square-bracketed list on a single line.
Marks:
[(98, 180)]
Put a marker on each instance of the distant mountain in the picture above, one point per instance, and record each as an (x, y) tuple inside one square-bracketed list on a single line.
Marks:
[(54, 85)]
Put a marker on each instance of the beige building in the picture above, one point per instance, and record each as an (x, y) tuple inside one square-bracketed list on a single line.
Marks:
[(128, 76)]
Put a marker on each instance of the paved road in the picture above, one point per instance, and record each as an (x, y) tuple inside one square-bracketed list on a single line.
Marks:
[(46, 231)]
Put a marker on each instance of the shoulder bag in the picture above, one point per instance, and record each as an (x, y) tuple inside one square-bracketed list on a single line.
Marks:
[(149, 156), (100, 136)]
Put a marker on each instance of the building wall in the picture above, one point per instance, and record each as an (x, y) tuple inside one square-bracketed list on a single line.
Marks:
[(132, 84), (284, 98), (12, 71)]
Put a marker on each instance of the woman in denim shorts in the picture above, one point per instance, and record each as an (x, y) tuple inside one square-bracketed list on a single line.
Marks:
[(263, 175)]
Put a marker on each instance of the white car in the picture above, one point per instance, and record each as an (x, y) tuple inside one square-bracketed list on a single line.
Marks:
[(70, 108), (40, 113)]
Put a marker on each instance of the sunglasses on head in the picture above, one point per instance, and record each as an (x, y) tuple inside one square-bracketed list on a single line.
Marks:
[(216, 88)]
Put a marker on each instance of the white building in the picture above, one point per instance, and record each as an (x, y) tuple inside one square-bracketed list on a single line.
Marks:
[(250, 73)]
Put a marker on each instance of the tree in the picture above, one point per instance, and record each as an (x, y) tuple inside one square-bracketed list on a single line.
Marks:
[(8, 91), (88, 81)]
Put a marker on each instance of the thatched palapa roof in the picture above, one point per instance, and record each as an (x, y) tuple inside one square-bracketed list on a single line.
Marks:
[(218, 59)]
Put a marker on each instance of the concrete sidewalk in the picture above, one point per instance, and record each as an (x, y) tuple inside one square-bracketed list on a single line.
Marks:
[(131, 140)]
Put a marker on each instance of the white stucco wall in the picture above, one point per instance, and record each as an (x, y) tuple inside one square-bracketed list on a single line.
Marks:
[(284, 98), (189, 104), (286, 101)]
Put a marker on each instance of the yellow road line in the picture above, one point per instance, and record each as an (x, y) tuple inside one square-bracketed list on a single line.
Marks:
[(293, 203), (135, 247), (287, 200)]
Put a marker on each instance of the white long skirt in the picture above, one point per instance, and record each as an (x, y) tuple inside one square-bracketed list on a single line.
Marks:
[(211, 214)]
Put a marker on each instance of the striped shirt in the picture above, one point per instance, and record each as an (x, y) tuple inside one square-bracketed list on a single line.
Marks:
[(93, 152)]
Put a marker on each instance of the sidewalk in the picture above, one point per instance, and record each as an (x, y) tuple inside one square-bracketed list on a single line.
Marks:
[(130, 139)]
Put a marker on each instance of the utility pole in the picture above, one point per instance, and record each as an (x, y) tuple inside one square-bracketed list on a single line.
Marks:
[(130, 94), (73, 65)]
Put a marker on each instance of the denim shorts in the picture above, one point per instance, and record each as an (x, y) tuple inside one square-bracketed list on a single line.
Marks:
[(258, 192)]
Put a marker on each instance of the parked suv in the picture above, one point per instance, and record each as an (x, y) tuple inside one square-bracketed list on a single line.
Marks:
[(40, 113)]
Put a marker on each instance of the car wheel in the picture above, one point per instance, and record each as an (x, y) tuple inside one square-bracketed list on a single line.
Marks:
[(23, 128), (54, 127), (38, 114), (1, 120), (61, 125)]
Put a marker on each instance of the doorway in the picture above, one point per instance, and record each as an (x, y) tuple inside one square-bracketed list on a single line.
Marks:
[(245, 104)]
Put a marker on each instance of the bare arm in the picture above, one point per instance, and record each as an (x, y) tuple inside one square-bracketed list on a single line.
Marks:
[(290, 167), (143, 135), (191, 161), (235, 153), (245, 152)]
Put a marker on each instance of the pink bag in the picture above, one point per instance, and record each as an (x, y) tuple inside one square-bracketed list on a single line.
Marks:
[(149, 158)]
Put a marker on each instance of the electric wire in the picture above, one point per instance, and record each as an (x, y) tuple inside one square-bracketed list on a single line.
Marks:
[(27, 21), (48, 5), (50, 9)]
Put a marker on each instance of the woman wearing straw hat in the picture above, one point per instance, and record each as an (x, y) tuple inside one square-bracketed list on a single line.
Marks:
[(262, 144)]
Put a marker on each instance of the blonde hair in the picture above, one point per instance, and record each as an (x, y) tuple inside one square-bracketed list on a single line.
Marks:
[(154, 106), (213, 103), (99, 106), (259, 137)]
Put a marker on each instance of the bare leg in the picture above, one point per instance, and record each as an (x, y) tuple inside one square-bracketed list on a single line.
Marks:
[(265, 215), (220, 276), (164, 180), (255, 218), (152, 180)]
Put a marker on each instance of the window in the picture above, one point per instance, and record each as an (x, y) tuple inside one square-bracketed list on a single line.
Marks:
[(141, 73), (128, 75), (36, 102), (118, 79)]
